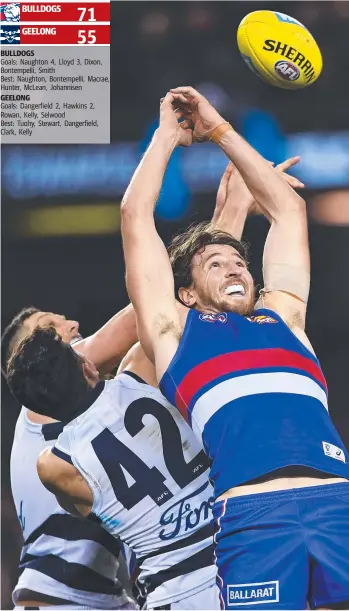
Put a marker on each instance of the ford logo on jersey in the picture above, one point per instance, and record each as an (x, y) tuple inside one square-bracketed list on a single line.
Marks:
[(182, 509), (221, 317)]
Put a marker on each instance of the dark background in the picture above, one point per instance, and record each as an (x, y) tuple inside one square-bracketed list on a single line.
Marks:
[(155, 46)]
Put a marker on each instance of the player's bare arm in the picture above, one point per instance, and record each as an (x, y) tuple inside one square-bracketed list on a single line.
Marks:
[(234, 200), (286, 263), (65, 482), (233, 203), (137, 362), (149, 276), (107, 347)]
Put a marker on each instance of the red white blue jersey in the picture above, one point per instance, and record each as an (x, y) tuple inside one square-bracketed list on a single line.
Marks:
[(255, 395)]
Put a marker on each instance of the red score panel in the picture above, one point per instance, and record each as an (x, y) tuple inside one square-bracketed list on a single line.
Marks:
[(65, 11), (65, 34)]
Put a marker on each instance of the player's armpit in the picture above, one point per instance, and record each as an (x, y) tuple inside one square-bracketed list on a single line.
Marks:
[(291, 309), (65, 482)]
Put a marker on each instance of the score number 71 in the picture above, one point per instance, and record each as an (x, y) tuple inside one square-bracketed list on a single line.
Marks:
[(83, 13)]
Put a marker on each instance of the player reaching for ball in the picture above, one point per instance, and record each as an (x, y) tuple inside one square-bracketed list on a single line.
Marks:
[(181, 572), (244, 374)]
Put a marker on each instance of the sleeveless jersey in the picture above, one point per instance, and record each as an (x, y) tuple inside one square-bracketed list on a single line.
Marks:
[(149, 479), (62, 556), (255, 395)]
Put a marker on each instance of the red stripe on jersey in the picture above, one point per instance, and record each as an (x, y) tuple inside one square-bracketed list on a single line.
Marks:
[(231, 362)]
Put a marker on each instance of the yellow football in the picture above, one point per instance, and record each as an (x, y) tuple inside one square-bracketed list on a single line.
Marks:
[(279, 49)]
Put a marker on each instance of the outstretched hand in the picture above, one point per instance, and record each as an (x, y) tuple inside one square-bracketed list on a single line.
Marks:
[(181, 132), (232, 190), (232, 187), (197, 109), (291, 180)]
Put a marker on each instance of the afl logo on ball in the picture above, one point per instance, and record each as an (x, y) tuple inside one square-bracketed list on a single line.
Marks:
[(287, 70)]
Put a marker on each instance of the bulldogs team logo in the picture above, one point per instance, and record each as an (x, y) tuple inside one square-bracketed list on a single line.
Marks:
[(10, 13), (262, 319), (221, 317), (287, 70), (10, 35)]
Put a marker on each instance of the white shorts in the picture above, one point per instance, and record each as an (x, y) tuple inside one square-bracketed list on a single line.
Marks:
[(204, 600)]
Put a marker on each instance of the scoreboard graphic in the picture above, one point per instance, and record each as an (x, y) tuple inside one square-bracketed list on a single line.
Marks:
[(55, 23), (55, 72)]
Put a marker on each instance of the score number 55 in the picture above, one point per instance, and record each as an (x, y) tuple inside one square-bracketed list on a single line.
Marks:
[(86, 37)]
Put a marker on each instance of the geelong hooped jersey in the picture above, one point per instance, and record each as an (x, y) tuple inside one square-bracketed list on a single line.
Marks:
[(149, 479), (63, 556), (255, 395)]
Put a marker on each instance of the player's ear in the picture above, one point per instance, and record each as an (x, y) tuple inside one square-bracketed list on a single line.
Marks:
[(187, 296), (90, 372)]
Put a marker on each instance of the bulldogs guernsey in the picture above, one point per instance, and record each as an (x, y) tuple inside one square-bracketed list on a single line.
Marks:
[(63, 556), (255, 395), (149, 479)]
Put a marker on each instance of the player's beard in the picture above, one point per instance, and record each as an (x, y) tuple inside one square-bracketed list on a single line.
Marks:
[(243, 306)]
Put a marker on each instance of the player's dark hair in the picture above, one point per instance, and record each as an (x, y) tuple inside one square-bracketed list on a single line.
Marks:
[(45, 374), (11, 334), (188, 243)]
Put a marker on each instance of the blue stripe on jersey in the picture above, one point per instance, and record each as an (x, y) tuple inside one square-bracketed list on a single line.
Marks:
[(71, 574), (61, 454), (70, 528)]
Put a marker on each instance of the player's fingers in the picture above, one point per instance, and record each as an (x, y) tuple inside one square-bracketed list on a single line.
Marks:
[(187, 124), (180, 97), (288, 163), (167, 100), (183, 106), (179, 113), (293, 182), (187, 91)]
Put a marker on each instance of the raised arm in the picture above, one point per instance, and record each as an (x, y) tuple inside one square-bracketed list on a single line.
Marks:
[(286, 265), (235, 202), (108, 346), (149, 276)]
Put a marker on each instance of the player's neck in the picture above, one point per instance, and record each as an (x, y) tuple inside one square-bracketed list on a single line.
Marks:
[(38, 418)]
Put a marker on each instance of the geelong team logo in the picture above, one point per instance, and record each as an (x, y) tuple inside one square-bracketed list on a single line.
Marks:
[(287, 70), (10, 13), (10, 35)]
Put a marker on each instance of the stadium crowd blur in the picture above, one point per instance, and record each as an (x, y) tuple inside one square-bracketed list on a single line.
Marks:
[(156, 45)]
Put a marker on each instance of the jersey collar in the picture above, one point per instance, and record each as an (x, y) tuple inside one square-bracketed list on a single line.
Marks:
[(89, 399)]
